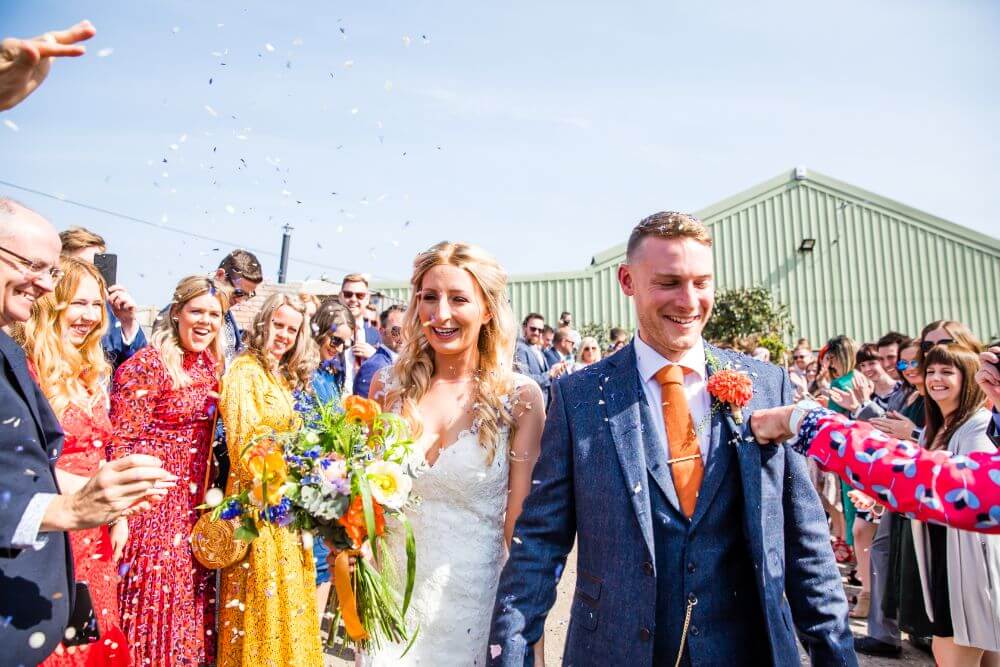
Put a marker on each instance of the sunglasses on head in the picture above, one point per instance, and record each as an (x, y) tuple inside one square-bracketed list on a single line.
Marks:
[(907, 365), (926, 345), (347, 294)]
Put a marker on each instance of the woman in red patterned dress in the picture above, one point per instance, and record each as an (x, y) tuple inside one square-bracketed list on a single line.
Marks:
[(63, 344), (163, 403)]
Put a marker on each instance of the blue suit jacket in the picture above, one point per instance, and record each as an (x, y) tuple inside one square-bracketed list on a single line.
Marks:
[(591, 483), (552, 356), (371, 366), (36, 594), (114, 345), (526, 362)]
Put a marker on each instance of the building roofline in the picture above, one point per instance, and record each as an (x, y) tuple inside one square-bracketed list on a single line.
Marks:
[(785, 178)]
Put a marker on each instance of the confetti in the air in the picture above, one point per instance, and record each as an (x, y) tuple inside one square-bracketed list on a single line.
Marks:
[(11, 124), (211, 111), (104, 53), (269, 47)]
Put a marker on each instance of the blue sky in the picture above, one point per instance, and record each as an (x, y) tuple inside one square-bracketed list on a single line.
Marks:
[(541, 131)]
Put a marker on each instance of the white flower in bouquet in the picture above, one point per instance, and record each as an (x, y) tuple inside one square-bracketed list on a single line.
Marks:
[(389, 484)]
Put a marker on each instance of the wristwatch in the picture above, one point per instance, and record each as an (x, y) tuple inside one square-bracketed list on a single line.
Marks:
[(799, 412)]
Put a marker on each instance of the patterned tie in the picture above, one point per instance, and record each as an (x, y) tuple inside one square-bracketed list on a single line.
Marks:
[(685, 454)]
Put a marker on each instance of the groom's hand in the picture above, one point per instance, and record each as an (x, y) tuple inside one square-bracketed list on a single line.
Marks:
[(770, 425)]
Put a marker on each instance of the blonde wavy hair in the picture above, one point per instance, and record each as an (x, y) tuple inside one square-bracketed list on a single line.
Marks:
[(67, 373), (297, 365), (166, 336), (414, 368)]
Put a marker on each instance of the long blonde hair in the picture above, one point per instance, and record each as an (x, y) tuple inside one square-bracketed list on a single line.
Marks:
[(300, 361), (68, 374), (166, 338), (414, 368)]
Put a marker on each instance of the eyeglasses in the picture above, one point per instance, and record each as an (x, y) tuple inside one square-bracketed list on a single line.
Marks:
[(35, 268), (907, 365), (360, 296), (800, 356), (926, 345), (536, 329)]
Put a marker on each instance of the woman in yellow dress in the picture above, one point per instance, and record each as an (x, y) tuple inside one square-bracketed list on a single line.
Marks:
[(268, 611)]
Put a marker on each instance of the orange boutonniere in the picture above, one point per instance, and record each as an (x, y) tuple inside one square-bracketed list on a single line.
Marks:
[(361, 410), (353, 521), (733, 388)]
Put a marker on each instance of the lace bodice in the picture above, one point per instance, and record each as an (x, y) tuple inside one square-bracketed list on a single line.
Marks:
[(458, 521)]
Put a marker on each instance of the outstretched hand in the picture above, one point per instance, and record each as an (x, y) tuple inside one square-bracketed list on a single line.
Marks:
[(988, 377), (121, 487), (24, 63), (770, 425)]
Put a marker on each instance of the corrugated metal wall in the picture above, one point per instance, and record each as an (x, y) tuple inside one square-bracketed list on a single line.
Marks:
[(876, 265)]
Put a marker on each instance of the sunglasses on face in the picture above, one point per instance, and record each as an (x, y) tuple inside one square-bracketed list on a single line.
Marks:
[(536, 329), (337, 341), (396, 332), (926, 345), (360, 296), (907, 365), (800, 356)]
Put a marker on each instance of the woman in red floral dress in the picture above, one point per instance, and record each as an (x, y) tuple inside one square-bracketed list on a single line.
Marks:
[(63, 344), (163, 403)]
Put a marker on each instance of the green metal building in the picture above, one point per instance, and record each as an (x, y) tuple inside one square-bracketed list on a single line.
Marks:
[(844, 260)]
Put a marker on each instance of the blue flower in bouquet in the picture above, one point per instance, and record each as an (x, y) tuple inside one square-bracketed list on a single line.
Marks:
[(280, 514), (313, 453), (232, 510)]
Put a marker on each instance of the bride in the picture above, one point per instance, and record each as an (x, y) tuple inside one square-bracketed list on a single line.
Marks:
[(478, 428)]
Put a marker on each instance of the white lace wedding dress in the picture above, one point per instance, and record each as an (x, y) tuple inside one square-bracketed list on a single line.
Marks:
[(458, 526)]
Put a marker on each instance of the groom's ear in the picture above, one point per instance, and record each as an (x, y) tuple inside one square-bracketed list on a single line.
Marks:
[(625, 279)]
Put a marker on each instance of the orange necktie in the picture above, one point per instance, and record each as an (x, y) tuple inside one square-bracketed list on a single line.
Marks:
[(685, 454)]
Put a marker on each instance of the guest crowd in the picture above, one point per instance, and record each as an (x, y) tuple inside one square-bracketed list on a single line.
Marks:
[(95, 560)]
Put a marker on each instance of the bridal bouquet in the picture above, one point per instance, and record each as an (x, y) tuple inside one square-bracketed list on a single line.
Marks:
[(338, 476)]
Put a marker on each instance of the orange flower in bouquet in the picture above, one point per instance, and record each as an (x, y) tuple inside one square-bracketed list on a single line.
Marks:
[(732, 388), (267, 466), (353, 521), (361, 410)]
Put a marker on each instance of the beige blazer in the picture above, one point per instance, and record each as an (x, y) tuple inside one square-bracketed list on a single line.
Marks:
[(973, 558)]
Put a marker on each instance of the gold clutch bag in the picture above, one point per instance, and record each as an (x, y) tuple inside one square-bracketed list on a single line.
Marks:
[(214, 543)]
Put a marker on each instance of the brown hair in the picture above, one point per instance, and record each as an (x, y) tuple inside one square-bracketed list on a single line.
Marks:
[(668, 225), (75, 239), (843, 350), (354, 278), (298, 363), (166, 335), (958, 331), (244, 264), (970, 397), (867, 352)]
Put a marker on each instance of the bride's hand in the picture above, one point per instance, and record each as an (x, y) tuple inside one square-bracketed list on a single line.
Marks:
[(331, 558)]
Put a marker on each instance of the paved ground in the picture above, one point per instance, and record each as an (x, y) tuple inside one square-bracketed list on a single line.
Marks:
[(555, 631)]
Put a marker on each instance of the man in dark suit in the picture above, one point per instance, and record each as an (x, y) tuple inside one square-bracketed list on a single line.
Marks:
[(36, 567), (529, 358), (124, 337), (694, 545), (561, 352), (391, 333)]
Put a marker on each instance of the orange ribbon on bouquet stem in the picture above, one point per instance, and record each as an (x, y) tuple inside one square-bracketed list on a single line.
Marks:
[(345, 595)]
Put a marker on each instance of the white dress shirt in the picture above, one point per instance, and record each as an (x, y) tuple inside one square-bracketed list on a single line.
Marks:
[(649, 362)]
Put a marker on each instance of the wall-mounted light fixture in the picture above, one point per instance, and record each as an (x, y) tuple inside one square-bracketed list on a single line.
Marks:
[(807, 245)]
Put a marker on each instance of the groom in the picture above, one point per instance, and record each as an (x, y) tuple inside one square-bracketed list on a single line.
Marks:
[(692, 539)]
